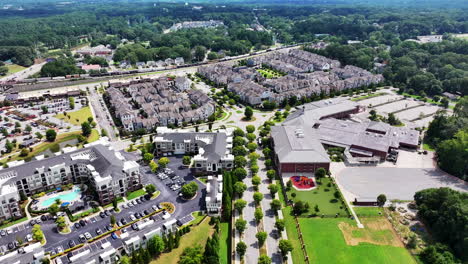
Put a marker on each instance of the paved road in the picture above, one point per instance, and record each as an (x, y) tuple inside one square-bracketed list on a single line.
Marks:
[(183, 208), (24, 74), (269, 218), (252, 254), (101, 114)]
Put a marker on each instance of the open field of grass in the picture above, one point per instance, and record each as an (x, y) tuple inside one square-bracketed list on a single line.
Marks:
[(14, 68), (368, 211), (76, 117), (323, 196), (224, 243), (293, 236), (94, 136), (326, 243), (360, 98), (197, 236)]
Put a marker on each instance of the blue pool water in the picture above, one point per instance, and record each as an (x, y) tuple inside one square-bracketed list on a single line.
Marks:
[(69, 197)]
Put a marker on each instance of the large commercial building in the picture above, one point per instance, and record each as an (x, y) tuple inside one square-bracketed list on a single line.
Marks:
[(101, 168), (299, 142), (211, 151)]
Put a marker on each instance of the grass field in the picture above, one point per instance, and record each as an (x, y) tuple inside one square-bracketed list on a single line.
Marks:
[(94, 136), (76, 117), (368, 211), (14, 68), (199, 216), (268, 73), (325, 243), (136, 194), (360, 98), (224, 243), (197, 236), (323, 196), (293, 236)]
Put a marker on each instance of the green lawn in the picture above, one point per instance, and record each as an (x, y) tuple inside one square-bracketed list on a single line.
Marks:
[(197, 236), (76, 117), (94, 136), (13, 222), (136, 194), (360, 98), (293, 236), (325, 244), (269, 73), (13, 68), (224, 243), (323, 196), (368, 211), (199, 216)]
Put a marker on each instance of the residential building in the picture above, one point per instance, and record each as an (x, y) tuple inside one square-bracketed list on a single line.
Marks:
[(214, 195), (211, 151), (98, 166)]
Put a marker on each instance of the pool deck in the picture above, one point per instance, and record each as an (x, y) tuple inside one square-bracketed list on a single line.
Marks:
[(56, 195)]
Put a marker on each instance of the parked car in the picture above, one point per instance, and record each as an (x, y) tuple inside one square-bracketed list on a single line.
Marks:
[(71, 243), (44, 217), (98, 231), (107, 212), (114, 236), (82, 222), (102, 214), (88, 235), (77, 225), (21, 250), (123, 230), (3, 233), (109, 227), (146, 212), (82, 238), (29, 237), (11, 246), (123, 221), (154, 207)]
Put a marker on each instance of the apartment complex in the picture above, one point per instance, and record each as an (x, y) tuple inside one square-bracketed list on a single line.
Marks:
[(104, 170), (149, 103), (306, 74), (214, 195), (211, 151)]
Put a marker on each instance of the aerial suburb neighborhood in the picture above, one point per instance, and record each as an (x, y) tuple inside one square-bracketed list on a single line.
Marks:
[(233, 132)]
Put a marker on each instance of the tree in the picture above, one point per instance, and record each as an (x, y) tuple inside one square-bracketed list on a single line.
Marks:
[(238, 141), (115, 204), (71, 102), (124, 260), (240, 225), (24, 152), (275, 205), (452, 154), (150, 189), (261, 237), (189, 190), (271, 174), (320, 173), (238, 132), (61, 223), (239, 151), (279, 224), (248, 113), (373, 115), (392, 120), (256, 180), (240, 161), (191, 255), (239, 173), (239, 205), (285, 246), (199, 53), (273, 189), (264, 259), (251, 137), (44, 109), (53, 209), (155, 246), (241, 248), (86, 129), (162, 162), (250, 129), (51, 135), (37, 233), (258, 214), (23, 196), (112, 220), (39, 135), (381, 199), (258, 197), (153, 166), (239, 188), (186, 160), (300, 207), (252, 146), (147, 157)]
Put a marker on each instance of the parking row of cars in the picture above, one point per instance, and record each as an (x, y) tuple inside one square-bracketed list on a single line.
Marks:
[(174, 182)]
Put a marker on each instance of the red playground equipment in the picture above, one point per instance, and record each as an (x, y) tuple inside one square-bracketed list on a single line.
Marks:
[(302, 182)]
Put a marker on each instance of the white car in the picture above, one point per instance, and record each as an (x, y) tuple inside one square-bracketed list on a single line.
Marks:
[(29, 237), (124, 206), (88, 235), (130, 204), (132, 217)]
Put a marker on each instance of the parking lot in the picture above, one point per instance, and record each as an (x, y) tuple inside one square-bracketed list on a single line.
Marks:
[(417, 112), (396, 106), (379, 100), (183, 209), (395, 183)]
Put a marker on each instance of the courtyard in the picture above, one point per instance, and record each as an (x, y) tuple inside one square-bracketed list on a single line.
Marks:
[(395, 183)]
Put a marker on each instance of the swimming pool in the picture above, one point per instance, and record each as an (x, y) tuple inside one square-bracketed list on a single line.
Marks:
[(68, 197)]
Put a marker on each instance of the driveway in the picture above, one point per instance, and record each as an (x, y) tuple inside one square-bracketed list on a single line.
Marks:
[(395, 183)]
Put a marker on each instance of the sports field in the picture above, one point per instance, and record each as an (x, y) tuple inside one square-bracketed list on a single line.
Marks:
[(326, 243)]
